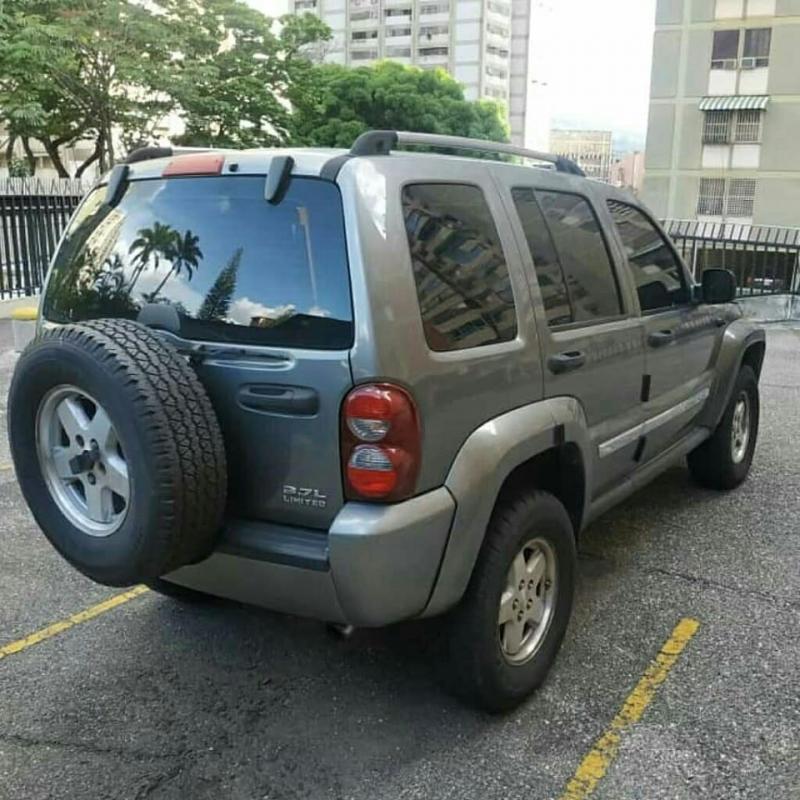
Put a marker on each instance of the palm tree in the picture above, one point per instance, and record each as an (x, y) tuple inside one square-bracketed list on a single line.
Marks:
[(160, 240), (185, 254)]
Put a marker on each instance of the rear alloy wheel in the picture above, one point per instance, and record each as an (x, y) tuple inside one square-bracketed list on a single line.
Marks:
[(504, 635)]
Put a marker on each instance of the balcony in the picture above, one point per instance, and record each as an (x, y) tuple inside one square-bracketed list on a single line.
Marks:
[(431, 40), (432, 59), (434, 17), (392, 41), (498, 39)]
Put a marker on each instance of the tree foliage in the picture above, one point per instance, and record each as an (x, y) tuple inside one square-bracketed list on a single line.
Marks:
[(106, 70), (338, 103)]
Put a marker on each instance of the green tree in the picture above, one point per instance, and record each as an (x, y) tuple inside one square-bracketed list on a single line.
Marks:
[(230, 86), (85, 69), (110, 70), (218, 299), (336, 104)]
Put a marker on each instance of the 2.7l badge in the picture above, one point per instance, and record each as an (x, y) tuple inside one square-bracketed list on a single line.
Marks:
[(304, 496)]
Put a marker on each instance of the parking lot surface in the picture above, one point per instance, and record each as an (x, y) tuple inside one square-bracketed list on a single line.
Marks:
[(160, 699)]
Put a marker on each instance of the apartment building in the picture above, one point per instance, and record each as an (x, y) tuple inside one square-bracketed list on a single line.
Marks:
[(590, 150), (487, 45), (722, 143)]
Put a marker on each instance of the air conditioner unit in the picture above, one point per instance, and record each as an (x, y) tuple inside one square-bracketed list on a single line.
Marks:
[(725, 63)]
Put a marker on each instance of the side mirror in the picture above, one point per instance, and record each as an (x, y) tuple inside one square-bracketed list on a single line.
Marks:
[(719, 286)]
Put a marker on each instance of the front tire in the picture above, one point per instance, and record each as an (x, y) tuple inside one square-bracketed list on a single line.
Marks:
[(504, 636), (723, 461)]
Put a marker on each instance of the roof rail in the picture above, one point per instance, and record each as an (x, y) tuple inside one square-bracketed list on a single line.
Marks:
[(379, 143)]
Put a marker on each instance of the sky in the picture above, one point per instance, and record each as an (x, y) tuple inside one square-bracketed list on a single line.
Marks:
[(597, 58)]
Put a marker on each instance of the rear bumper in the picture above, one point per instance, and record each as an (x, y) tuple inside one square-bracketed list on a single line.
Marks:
[(376, 565)]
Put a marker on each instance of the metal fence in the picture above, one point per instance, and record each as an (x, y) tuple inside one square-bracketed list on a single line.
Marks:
[(763, 258), (33, 215)]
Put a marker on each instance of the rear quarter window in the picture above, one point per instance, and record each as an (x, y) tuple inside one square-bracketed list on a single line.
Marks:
[(460, 272), (233, 267)]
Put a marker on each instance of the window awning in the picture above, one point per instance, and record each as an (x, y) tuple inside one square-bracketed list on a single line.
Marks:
[(735, 102)]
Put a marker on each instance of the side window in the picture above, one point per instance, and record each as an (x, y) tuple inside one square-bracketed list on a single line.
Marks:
[(586, 266), (549, 275), (657, 273), (462, 280)]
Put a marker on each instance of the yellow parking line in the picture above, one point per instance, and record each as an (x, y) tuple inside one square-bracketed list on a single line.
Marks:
[(65, 624), (597, 761)]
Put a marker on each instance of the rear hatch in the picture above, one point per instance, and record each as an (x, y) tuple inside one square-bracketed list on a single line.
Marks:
[(259, 293)]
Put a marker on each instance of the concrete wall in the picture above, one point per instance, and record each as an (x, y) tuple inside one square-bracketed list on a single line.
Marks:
[(655, 195), (685, 200), (690, 144), (703, 10), (660, 128), (775, 308), (780, 149), (698, 61), (666, 58), (669, 12), (784, 72), (777, 202), (787, 8)]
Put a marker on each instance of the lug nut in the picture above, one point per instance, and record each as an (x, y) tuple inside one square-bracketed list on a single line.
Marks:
[(91, 478), (79, 440), (521, 585), (515, 604), (529, 604), (520, 615)]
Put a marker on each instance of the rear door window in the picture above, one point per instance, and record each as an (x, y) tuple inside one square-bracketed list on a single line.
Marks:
[(233, 267), (572, 262), (460, 271)]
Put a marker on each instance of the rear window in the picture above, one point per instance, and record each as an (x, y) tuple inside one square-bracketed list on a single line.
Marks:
[(233, 267)]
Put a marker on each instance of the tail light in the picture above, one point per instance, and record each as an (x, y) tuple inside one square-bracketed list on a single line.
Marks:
[(380, 443)]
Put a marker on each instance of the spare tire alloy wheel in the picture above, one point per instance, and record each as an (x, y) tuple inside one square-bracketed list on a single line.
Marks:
[(82, 461), (117, 450)]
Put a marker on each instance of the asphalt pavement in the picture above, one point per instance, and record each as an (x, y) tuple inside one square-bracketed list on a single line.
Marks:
[(162, 699)]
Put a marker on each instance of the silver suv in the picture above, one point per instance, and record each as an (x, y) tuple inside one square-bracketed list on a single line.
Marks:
[(371, 386)]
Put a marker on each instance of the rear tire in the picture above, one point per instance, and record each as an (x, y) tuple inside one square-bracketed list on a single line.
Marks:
[(482, 662), (723, 461), (147, 495)]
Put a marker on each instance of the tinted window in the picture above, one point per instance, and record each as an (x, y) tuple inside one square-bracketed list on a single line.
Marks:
[(232, 266), (585, 262), (550, 277), (659, 277), (462, 280)]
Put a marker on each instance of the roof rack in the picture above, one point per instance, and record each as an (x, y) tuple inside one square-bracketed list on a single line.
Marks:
[(378, 143)]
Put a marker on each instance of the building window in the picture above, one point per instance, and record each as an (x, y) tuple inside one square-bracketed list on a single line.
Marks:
[(305, 5), (499, 8), (428, 31), (435, 8), (496, 91), (363, 55), (497, 30), (725, 52), (717, 127), (398, 52), (397, 12), (392, 32), (496, 72), (726, 127), (748, 127), (497, 51), (711, 200), (433, 51), (734, 198), (756, 48), (741, 197), (363, 36), (360, 16)]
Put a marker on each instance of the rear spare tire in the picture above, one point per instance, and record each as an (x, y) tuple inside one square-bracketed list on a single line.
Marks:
[(117, 450)]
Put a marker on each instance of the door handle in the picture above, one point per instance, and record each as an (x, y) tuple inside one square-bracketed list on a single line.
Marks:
[(660, 338), (567, 361)]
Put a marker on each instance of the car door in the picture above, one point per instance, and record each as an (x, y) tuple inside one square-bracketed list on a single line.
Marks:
[(680, 334), (590, 332)]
